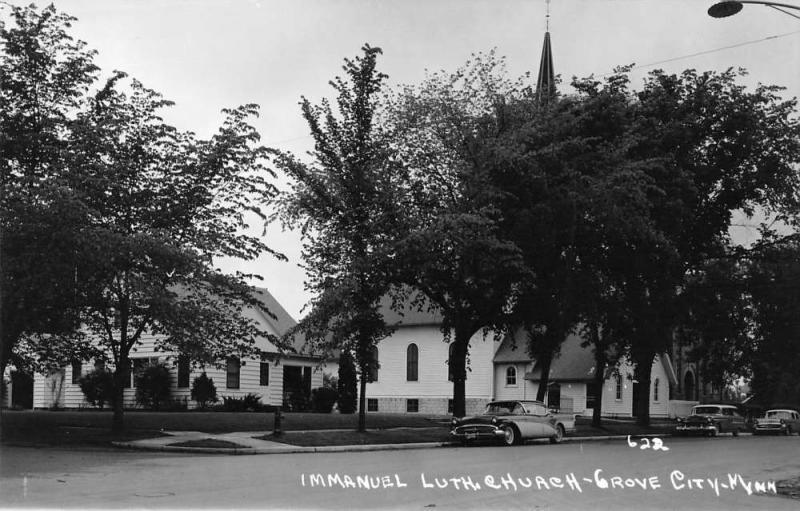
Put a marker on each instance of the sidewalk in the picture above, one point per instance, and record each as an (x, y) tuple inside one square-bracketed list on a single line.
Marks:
[(247, 444)]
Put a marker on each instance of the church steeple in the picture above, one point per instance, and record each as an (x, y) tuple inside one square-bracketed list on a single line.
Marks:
[(546, 83)]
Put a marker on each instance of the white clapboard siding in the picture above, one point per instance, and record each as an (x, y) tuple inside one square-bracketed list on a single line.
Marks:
[(432, 379), (46, 389)]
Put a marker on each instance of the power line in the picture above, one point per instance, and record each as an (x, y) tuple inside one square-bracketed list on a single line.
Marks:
[(706, 52)]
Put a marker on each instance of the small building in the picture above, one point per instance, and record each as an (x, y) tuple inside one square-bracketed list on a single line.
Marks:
[(278, 378), (571, 380)]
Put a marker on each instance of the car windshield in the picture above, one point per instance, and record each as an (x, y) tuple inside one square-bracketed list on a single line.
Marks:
[(776, 414), (505, 407), (705, 410)]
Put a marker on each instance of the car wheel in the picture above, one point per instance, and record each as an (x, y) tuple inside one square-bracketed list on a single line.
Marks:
[(715, 431), (735, 431), (510, 435), (559, 436)]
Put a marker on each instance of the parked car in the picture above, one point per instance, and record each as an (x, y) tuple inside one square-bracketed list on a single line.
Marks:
[(513, 422), (780, 421), (712, 420)]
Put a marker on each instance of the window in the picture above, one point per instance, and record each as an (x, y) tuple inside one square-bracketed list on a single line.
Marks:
[(232, 369), (450, 361), (412, 405), (412, 363), (655, 390), (618, 394), (372, 405), (263, 376), (76, 371), (591, 395), (183, 372), (511, 377), (373, 369)]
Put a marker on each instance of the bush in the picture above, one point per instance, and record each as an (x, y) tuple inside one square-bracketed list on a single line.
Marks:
[(347, 384), (247, 403), (204, 391), (323, 399), (98, 387), (153, 386)]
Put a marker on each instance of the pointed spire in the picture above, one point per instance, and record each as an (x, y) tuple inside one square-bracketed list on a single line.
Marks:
[(546, 83)]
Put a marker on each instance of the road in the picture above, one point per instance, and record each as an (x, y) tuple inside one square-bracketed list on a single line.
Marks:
[(570, 476)]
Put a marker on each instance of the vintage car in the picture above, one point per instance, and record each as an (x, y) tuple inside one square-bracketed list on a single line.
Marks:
[(712, 420), (513, 422), (779, 421)]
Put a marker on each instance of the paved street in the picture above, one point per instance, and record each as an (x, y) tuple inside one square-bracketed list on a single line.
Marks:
[(689, 474)]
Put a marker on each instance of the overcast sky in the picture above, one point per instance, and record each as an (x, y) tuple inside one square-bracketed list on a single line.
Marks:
[(210, 54)]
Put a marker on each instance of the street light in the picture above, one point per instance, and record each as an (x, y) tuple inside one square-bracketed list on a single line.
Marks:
[(730, 7)]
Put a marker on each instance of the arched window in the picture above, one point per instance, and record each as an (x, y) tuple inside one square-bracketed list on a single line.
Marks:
[(450, 361), (412, 362), (373, 370), (655, 390), (618, 394), (511, 376)]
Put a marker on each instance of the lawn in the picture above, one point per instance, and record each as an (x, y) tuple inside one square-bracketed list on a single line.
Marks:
[(92, 427)]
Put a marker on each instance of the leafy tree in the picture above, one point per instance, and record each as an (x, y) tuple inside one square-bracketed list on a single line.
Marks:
[(164, 205), (204, 391), (454, 250), (347, 207), (774, 275), (718, 326), (44, 76), (347, 384), (716, 148)]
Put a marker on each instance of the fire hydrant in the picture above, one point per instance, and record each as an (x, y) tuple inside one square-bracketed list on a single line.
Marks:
[(276, 428)]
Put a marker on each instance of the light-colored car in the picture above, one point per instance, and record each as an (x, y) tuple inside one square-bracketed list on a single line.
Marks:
[(780, 421), (712, 420), (513, 422)]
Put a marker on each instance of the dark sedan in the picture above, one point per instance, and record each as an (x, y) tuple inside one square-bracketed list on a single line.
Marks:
[(513, 422), (712, 420)]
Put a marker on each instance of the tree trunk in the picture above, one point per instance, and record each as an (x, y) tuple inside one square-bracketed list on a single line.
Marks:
[(642, 371), (544, 362), (458, 363), (121, 377), (362, 403)]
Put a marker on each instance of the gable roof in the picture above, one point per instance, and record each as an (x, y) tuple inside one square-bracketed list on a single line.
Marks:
[(282, 321), (573, 363), (409, 314)]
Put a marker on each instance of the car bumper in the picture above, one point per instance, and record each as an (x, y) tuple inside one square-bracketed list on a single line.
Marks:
[(695, 428), (771, 428), (468, 433)]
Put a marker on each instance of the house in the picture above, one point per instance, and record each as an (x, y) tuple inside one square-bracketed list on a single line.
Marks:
[(276, 377)]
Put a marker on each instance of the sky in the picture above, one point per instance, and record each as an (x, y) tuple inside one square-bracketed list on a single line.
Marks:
[(211, 54)]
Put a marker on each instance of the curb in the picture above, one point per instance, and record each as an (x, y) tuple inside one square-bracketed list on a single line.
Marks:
[(293, 449)]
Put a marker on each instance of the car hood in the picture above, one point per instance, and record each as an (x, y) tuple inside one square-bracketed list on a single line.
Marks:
[(479, 419), (768, 420), (701, 417)]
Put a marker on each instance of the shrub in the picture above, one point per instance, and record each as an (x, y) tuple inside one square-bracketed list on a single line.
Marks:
[(153, 386), (347, 384), (323, 399), (98, 387), (247, 403), (204, 391)]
